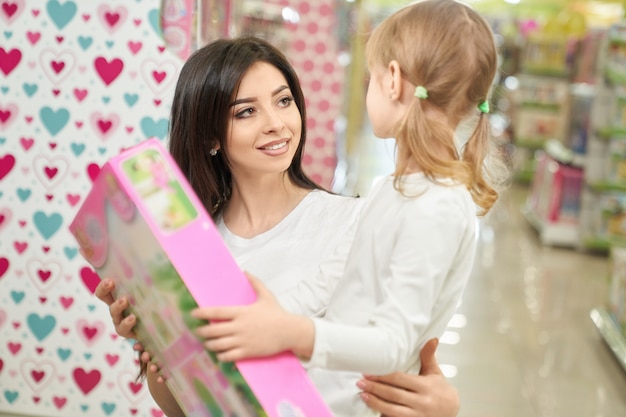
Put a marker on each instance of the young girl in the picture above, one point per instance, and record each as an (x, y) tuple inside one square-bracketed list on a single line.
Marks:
[(432, 65), (238, 132)]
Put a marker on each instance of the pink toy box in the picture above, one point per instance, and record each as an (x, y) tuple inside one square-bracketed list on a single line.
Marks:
[(143, 226)]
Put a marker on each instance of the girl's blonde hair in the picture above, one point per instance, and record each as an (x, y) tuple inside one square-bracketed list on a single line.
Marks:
[(449, 49)]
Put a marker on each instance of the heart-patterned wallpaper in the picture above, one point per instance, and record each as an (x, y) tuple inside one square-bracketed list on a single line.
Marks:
[(78, 82)]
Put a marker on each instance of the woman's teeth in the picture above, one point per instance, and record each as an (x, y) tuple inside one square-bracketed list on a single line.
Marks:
[(274, 147)]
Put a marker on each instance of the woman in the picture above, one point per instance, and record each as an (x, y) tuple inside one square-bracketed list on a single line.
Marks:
[(238, 133)]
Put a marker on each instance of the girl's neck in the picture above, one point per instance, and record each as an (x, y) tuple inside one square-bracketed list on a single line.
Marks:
[(257, 205)]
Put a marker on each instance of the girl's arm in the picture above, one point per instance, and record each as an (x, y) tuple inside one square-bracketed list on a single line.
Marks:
[(403, 395), (426, 248)]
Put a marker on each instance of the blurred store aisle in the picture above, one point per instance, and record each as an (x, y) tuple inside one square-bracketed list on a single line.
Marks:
[(522, 344)]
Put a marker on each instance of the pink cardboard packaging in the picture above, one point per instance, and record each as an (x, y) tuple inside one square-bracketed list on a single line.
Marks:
[(143, 226)]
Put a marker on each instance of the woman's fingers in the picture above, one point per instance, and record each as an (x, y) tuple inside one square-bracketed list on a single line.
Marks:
[(104, 291)]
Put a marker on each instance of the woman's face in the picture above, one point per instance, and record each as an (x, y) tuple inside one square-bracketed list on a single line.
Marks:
[(265, 127)]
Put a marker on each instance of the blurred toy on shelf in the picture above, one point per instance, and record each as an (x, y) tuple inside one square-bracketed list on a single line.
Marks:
[(553, 205)]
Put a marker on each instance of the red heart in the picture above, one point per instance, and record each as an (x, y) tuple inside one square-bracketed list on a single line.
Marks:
[(6, 163), (37, 375), (89, 278), (59, 402), (86, 381), (4, 265), (93, 170), (108, 71), (9, 60)]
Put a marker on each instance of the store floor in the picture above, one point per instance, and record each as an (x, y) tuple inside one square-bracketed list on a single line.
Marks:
[(522, 344)]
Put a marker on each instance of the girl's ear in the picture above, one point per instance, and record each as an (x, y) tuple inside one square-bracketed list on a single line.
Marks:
[(395, 80)]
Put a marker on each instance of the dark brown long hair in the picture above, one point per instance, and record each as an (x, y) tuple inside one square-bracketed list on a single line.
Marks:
[(207, 84)]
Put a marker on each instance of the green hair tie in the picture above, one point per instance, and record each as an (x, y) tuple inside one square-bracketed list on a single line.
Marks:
[(484, 107), (420, 92)]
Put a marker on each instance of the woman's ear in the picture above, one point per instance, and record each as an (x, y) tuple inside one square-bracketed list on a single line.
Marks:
[(395, 80)]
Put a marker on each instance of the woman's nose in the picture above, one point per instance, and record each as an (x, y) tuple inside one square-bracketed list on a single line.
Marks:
[(273, 121)]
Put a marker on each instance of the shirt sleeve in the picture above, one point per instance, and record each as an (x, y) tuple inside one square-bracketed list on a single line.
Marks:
[(426, 244)]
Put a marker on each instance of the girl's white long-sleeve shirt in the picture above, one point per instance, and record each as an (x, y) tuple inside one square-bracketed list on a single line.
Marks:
[(406, 269)]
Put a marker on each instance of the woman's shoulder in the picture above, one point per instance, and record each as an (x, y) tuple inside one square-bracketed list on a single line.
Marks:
[(338, 206)]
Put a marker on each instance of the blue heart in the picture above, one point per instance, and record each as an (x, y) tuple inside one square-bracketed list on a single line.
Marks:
[(40, 326), (91, 307), (106, 99), (47, 225), (2, 140), (61, 15), (70, 252), (154, 128), (11, 395), (101, 150), (17, 296), (154, 17), (77, 148), (8, 34), (131, 99), (64, 353), (109, 44), (84, 407), (108, 408), (85, 42), (87, 355), (5, 89), (54, 121), (29, 89), (23, 194)]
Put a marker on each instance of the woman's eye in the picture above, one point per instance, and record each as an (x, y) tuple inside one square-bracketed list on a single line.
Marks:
[(286, 101), (244, 113)]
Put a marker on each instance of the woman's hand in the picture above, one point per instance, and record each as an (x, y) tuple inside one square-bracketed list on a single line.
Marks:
[(262, 328), (123, 325), (402, 395)]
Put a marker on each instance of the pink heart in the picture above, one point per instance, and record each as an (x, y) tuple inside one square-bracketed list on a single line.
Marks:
[(89, 278), (134, 46), (112, 18), (73, 199), (14, 347), (20, 247), (108, 70), (33, 37), (86, 381), (4, 266), (59, 402), (66, 302), (27, 143), (8, 115), (80, 94), (7, 162), (9, 60), (5, 217), (111, 358), (93, 170)]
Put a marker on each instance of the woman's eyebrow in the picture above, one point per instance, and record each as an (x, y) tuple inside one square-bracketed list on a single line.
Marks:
[(252, 99)]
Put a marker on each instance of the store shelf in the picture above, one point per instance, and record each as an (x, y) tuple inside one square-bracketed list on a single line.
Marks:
[(611, 333), (596, 245), (611, 132), (560, 153), (607, 186), (551, 233)]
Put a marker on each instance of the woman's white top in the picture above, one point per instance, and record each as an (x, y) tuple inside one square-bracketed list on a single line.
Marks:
[(294, 248), (404, 276)]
